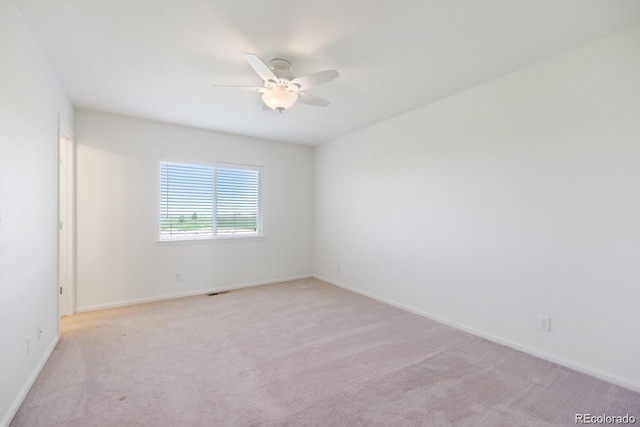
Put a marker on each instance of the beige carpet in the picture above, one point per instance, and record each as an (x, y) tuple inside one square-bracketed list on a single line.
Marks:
[(298, 353)]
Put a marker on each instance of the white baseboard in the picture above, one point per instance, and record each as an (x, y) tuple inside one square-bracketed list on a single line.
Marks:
[(13, 409), (567, 363), (186, 294)]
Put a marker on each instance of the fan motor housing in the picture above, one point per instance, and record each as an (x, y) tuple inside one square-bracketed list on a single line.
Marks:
[(280, 68)]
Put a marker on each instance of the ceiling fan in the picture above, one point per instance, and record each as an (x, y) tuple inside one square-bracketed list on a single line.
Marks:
[(281, 87)]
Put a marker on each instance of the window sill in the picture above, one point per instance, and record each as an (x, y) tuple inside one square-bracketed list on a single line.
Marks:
[(210, 240)]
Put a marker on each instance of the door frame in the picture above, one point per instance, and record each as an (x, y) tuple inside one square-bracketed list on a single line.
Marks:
[(66, 223)]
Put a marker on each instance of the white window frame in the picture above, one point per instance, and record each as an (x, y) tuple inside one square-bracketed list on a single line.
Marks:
[(214, 235)]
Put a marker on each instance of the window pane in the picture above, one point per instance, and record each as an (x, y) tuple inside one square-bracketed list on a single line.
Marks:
[(238, 198), (186, 201)]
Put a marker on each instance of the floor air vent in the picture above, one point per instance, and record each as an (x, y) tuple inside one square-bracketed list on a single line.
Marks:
[(213, 294)]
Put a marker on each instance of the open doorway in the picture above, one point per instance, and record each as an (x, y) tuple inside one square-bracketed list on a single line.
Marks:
[(66, 226)]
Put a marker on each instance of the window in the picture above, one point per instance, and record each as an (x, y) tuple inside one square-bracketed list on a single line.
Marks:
[(205, 202)]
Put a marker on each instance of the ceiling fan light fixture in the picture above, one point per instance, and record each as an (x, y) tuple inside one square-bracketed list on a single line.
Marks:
[(282, 89), (279, 98)]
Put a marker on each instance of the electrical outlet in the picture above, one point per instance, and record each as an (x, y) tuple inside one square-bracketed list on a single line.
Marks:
[(178, 277), (544, 322)]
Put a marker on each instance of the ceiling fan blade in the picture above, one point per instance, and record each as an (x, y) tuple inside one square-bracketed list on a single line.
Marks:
[(249, 88), (261, 68), (307, 98), (314, 79)]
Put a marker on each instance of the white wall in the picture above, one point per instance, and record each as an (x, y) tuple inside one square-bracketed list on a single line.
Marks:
[(31, 100), (118, 257), (517, 198)]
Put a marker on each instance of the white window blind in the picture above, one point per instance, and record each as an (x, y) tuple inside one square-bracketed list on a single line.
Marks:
[(204, 202)]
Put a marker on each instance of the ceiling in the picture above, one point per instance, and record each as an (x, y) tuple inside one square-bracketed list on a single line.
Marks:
[(158, 59)]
